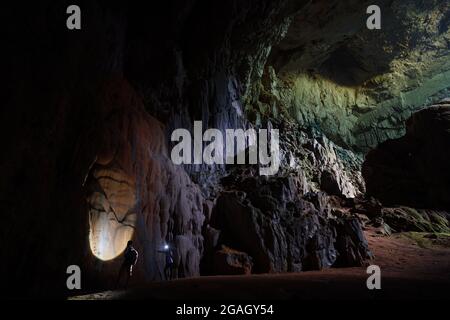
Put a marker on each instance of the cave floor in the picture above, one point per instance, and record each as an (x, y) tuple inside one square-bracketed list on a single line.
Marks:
[(412, 267)]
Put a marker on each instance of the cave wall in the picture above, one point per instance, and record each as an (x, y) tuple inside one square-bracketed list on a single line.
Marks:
[(66, 133), (357, 85), (133, 183), (86, 118), (412, 170), (49, 114)]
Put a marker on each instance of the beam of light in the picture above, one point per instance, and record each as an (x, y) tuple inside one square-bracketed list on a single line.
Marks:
[(111, 218), (107, 237)]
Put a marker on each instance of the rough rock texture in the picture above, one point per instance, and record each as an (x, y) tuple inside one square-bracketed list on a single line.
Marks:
[(111, 202), (65, 145), (419, 220), (87, 114), (387, 220), (358, 85), (231, 262), (324, 165), (284, 229), (413, 170), (285, 223), (135, 192)]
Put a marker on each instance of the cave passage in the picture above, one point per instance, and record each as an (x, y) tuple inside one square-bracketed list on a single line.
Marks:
[(356, 172)]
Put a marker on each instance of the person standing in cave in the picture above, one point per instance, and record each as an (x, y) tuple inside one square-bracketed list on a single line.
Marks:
[(130, 259), (168, 269)]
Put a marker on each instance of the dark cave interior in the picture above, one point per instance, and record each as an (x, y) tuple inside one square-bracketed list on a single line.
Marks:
[(87, 115)]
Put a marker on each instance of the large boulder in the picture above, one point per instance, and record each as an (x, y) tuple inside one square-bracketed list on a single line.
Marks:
[(413, 170), (228, 261)]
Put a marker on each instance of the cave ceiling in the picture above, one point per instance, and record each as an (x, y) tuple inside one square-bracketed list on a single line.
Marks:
[(370, 80)]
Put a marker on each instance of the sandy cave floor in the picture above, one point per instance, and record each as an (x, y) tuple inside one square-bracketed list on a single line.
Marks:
[(412, 267)]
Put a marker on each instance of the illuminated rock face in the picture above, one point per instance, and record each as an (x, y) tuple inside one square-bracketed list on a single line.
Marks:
[(359, 86), (134, 192), (112, 219)]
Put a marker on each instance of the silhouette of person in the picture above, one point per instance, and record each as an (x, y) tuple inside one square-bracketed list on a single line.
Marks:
[(130, 259), (168, 269)]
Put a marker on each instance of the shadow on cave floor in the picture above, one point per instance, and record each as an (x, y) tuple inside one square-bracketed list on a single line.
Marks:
[(409, 270)]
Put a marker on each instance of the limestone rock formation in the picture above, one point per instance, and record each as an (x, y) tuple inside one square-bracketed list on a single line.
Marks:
[(135, 192), (357, 85), (112, 219), (87, 117), (231, 262), (324, 165), (413, 170), (285, 229)]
